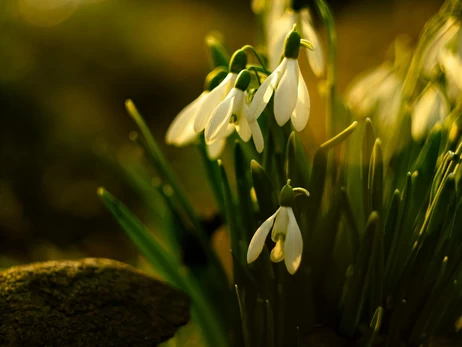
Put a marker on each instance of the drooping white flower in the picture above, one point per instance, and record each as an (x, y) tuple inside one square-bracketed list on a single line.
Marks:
[(283, 24), (377, 92), (217, 95), (291, 97), (446, 33), (429, 109), (181, 131), (232, 113), (285, 232), (451, 63)]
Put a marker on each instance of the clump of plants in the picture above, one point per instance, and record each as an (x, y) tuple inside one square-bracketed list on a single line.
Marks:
[(357, 240)]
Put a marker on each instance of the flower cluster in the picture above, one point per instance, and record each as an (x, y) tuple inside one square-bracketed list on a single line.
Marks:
[(226, 106)]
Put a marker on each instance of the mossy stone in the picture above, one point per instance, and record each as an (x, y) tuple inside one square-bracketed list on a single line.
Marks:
[(89, 302)]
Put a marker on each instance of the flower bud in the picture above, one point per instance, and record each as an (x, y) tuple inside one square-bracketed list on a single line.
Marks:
[(292, 45), (243, 80), (286, 197), (238, 61)]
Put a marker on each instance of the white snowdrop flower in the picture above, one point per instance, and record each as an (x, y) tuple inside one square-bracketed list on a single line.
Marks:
[(429, 109), (285, 233), (451, 63), (213, 99), (277, 34), (377, 92), (232, 113), (442, 38), (181, 131), (291, 97)]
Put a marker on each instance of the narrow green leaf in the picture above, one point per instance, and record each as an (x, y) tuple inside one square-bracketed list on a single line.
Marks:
[(290, 160), (350, 217), (339, 138), (391, 224), (244, 185), (355, 297), (375, 180), (170, 269), (161, 165), (213, 173), (375, 325), (234, 231), (270, 338), (368, 141), (265, 192), (317, 184), (244, 318), (166, 263), (218, 55)]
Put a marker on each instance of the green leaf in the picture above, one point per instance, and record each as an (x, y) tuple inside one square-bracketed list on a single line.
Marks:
[(158, 160), (170, 268), (265, 192), (339, 138), (368, 142), (244, 185), (290, 161), (359, 282), (213, 173), (218, 55), (350, 217), (231, 214), (375, 180)]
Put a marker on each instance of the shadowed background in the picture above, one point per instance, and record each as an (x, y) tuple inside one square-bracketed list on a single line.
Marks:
[(66, 68)]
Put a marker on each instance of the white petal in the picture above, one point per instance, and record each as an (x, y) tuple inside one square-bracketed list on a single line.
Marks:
[(361, 95), (429, 109), (440, 40), (212, 100), (243, 128), (181, 131), (302, 108), (286, 95), (215, 149), (257, 136), (293, 245), (258, 240), (316, 57), (277, 254), (218, 124), (264, 92), (280, 224)]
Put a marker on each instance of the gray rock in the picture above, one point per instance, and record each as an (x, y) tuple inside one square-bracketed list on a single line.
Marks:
[(90, 302)]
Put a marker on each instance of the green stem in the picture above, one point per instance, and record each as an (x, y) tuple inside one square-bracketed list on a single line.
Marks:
[(327, 18), (259, 58)]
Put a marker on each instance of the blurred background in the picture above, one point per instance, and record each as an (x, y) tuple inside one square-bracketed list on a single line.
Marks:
[(66, 68)]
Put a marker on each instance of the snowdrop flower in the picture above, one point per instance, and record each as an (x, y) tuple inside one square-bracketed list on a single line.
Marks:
[(430, 108), (291, 97), (377, 92), (277, 34), (285, 233), (232, 112), (181, 131), (448, 32), (213, 99), (452, 66)]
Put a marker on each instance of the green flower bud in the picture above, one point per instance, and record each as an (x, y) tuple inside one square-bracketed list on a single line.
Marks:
[(238, 61), (292, 45), (286, 197), (242, 80), (214, 78)]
